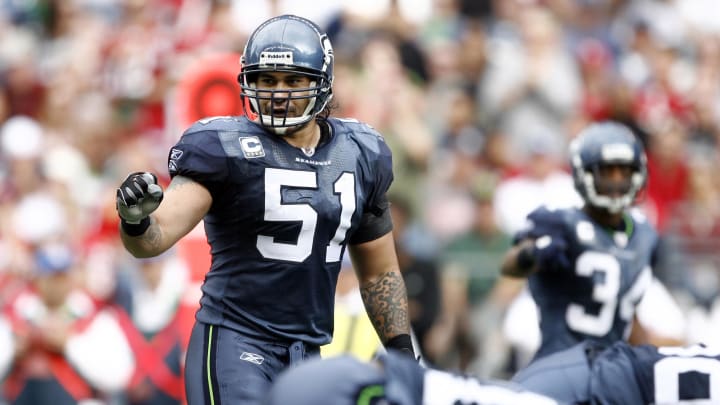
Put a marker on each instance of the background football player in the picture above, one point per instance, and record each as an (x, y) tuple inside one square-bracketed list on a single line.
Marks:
[(588, 267)]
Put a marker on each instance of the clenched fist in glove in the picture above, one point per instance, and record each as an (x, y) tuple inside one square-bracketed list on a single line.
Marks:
[(548, 252), (137, 197), (551, 252)]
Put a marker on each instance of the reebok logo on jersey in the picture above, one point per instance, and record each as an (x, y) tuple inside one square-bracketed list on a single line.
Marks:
[(252, 358), (251, 147), (175, 154)]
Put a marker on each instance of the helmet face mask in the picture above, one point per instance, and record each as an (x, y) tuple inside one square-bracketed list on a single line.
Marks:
[(613, 180), (609, 166), (292, 46), (283, 107)]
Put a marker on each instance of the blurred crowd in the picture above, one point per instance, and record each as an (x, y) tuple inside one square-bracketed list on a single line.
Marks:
[(477, 99)]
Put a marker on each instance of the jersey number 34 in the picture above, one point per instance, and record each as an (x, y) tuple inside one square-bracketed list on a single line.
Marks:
[(605, 293)]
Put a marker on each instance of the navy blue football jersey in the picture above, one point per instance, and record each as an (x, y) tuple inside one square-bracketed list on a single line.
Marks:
[(280, 220), (595, 298), (646, 374), (397, 380)]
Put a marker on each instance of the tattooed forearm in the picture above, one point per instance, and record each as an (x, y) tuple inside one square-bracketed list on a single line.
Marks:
[(386, 303), (152, 237), (147, 244)]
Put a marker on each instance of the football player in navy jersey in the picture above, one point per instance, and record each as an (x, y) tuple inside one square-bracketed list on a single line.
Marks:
[(282, 192), (390, 379), (588, 267), (590, 373)]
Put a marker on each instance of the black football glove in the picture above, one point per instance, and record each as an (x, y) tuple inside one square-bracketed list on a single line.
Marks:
[(403, 344), (550, 252), (138, 196)]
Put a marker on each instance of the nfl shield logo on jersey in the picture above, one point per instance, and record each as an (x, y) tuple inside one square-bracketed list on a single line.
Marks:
[(251, 147)]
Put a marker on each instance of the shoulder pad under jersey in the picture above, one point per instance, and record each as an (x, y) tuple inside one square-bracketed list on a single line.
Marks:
[(360, 132), (543, 221)]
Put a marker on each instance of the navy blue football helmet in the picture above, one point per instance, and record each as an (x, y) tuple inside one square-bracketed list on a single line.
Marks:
[(289, 44), (607, 143)]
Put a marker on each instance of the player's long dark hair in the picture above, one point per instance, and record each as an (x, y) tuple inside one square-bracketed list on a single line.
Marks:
[(331, 106)]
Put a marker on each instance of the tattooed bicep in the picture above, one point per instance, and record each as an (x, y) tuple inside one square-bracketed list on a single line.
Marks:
[(179, 181)]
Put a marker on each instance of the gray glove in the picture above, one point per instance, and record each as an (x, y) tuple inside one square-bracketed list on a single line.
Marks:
[(138, 196)]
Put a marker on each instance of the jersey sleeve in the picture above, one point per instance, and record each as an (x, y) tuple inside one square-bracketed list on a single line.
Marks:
[(540, 222), (200, 157), (378, 202), (376, 220)]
